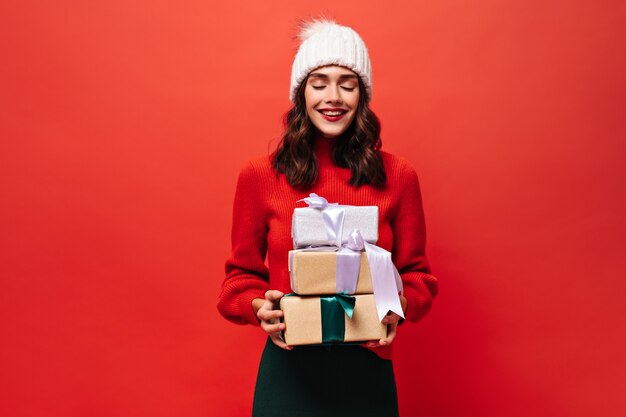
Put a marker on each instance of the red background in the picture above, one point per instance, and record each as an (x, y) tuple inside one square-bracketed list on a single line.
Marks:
[(123, 126)]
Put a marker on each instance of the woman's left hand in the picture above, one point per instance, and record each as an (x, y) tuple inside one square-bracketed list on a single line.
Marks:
[(391, 320)]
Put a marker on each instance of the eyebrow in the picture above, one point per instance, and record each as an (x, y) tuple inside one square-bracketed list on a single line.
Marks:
[(324, 76)]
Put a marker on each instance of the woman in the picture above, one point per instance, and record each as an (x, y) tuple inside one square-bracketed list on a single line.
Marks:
[(331, 146)]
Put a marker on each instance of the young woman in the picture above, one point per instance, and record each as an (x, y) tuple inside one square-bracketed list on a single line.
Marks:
[(331, 146)]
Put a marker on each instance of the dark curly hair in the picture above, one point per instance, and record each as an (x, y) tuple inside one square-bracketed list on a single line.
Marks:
[(357, 148)]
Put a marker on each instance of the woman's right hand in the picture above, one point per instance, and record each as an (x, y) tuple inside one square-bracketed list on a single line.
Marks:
[(270, 317)]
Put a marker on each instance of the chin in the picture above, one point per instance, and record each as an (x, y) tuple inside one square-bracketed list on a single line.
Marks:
[(333, 133)]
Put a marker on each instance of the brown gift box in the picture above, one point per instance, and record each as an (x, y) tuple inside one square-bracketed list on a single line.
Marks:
[(303, 320), (314, 273)]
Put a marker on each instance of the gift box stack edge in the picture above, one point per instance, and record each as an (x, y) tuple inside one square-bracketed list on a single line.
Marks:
[(313, 277)]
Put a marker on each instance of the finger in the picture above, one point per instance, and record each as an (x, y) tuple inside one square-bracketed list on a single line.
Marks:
[(273, 328), (269, 315), (279, 342), (268, 305), (391, 318), (264, 315), (273, 295), (391, 334)]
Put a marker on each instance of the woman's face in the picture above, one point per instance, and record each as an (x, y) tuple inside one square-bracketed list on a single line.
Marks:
[(331, 96)]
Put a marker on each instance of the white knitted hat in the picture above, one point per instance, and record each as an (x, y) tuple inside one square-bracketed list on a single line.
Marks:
[(324, 42)]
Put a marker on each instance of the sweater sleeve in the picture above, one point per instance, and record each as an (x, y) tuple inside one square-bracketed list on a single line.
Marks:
[(247, 276), (409, 241)]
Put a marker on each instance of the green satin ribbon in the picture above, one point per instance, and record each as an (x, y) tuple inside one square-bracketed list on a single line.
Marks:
[(334, 309)]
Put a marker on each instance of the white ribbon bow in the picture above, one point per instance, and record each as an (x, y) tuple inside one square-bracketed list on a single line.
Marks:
[(332, 214), (386, 281)]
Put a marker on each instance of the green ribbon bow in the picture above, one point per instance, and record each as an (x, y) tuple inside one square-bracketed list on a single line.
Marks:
[(334, 309)]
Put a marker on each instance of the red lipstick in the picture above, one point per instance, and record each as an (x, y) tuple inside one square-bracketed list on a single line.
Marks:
[(333, 118)]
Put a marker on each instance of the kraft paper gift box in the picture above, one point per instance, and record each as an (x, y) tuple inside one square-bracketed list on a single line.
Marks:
[(315, 272), (308, 229), (321, 320)]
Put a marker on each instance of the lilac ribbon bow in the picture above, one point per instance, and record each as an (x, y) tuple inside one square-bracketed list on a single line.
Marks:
[(386, 281), (332, 214)]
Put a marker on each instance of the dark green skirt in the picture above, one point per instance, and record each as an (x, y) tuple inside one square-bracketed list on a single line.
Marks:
[(339, 380)]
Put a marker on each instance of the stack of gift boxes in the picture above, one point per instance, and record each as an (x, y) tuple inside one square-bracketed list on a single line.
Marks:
[(329, 304)]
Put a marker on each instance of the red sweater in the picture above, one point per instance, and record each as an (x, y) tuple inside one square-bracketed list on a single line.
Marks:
[(262, 213)]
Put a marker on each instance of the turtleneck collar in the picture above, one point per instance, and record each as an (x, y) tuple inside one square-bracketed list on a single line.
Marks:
[(323, 147)]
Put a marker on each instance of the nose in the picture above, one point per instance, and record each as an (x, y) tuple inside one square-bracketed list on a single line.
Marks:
[(334, 95)]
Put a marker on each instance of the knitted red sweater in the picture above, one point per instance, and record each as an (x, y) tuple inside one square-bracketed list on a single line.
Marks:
[(262, 213)]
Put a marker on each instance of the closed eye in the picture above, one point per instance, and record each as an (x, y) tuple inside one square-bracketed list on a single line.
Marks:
[(345, 88)]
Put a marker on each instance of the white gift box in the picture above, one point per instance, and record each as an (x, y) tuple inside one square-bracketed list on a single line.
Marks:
[(308, 228)]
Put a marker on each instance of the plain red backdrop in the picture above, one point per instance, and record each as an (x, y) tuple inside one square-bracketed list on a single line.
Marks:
[(122, 129)]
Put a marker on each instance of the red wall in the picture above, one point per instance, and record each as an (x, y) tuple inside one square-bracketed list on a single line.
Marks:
[(122, 129)]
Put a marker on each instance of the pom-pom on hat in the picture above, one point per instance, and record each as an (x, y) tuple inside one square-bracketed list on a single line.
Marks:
[(324, 42)]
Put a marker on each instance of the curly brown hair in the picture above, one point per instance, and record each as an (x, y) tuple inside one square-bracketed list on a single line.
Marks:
[(357, 148)]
